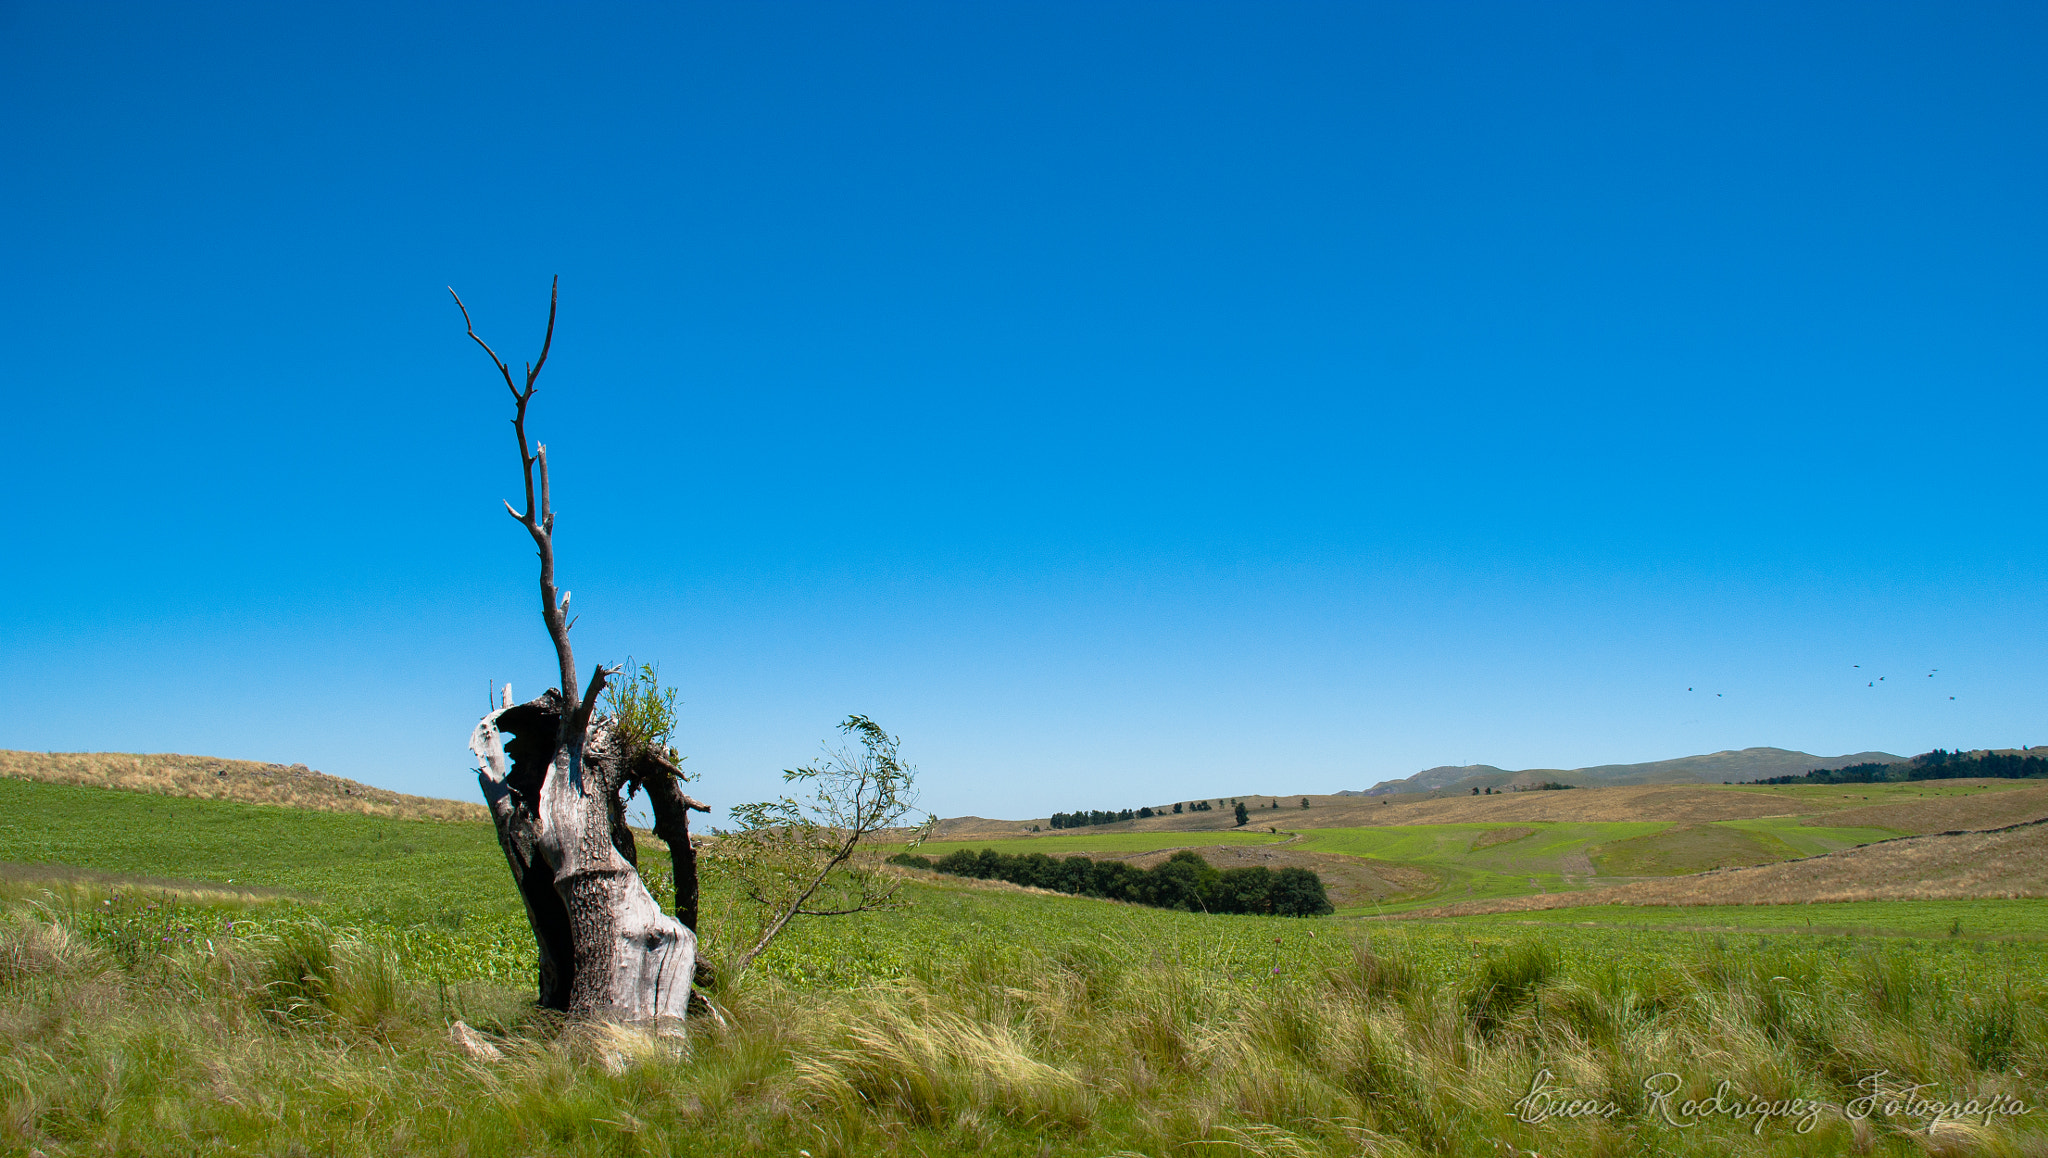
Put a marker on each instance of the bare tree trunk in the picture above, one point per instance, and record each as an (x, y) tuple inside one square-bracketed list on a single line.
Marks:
[(672, 807), (606, 949), (512, 793)]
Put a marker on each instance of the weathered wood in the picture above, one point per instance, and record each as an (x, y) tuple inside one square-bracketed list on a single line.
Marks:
[(662, 781), (608, 951), (512, 790)]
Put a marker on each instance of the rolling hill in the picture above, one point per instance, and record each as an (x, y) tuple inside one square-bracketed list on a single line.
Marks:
[(211, 778), (1711, 768)]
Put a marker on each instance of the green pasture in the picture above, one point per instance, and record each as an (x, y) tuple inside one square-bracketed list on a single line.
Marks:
[(977, 1018), (2018, 919), (1807, 840), (1553, 858), (439, 894)]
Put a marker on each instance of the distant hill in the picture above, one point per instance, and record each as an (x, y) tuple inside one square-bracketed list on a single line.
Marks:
[(1713, 768), (209, 778)]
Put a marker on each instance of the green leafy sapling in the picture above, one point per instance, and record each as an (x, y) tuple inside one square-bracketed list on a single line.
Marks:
[(644, 710), (814, 857)]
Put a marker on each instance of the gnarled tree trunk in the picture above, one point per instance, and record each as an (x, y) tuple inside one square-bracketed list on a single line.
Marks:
[(606, 949)]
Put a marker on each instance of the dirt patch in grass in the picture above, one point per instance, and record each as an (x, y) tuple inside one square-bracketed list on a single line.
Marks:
[(1941, 810), (27, 880), (208, 778), (1689, 849), (1978, 865)]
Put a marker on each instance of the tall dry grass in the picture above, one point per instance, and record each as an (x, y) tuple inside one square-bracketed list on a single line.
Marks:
[(306, 1041)]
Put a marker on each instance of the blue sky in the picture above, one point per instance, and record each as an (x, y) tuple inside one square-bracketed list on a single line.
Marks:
[(1122, 402)]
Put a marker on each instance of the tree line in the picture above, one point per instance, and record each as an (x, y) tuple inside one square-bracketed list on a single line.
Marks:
[(1183, 881), (1940, 764), (1082, 818)]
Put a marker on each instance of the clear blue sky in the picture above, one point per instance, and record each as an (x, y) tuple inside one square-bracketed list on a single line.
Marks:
[(1123, 402)]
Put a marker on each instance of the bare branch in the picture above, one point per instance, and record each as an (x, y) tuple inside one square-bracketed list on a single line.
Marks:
[(495, 360), (533, 371), (539, 517), (598, 676), (547, 509)]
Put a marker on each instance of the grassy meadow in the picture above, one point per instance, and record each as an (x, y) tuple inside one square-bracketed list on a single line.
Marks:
[(211, 977)]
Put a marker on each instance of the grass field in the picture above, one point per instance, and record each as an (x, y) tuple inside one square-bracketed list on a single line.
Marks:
[(2017, 919), (306, 1008), (1811, 839), (1553, 857)]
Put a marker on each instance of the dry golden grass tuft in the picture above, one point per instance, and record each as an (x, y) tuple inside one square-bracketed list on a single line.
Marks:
[(1967, 866), (208, 778)]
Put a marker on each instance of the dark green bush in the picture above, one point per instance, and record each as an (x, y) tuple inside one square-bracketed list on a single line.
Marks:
[(1183, 881)]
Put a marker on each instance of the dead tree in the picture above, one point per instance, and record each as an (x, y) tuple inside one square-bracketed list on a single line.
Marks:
[(607, 951)]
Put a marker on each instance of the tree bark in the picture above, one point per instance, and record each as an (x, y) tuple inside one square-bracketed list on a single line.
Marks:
[(607, 950), (672, 807)]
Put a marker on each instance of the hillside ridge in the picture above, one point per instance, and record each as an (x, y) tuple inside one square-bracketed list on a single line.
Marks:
[(248, 781), (1706, 768)]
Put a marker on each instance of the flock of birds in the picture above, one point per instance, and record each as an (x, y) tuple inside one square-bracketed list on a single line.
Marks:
[(1868, 684), (1880, 679)]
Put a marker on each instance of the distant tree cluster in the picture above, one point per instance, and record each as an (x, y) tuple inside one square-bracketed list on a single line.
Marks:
[(1183, 881), (1939, 764), (1082, 819)]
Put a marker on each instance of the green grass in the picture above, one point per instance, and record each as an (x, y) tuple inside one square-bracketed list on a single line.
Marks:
[(1815, 840), (1553, 859), (394, 871), (994, 1022), (978, 1020), (1690, 849), (2025, 919)]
